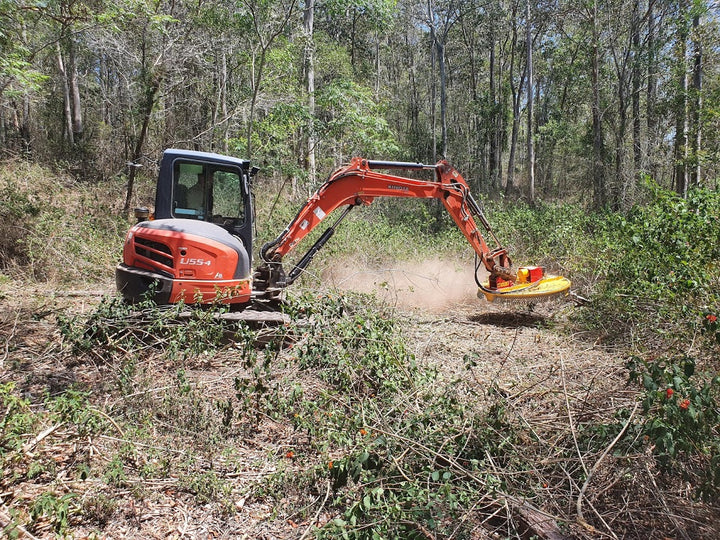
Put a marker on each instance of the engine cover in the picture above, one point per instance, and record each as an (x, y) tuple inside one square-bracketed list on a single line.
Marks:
[(184, 260)]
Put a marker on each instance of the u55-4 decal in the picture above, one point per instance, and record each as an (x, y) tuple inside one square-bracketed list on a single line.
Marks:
[(195, 262)]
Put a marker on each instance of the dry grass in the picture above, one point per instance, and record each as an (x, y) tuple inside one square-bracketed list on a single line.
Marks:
[(163, 458)]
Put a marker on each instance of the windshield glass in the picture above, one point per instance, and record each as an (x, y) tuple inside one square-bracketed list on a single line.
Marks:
[(207, 192)]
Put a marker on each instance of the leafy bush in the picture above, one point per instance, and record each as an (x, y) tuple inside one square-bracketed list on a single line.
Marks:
[(17, 421), (17, 215), (662, 265), (565, 237), (115, 325), (678, 424), (398, 449), (55, 229), (648, 272)]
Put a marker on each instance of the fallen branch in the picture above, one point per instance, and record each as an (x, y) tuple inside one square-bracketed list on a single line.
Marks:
[(317, 514), (27, 447), (578, 505)]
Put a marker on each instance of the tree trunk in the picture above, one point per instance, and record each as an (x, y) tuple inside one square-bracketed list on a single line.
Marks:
[(636, 62), (308, 23), (599, 191), (66, 97), (494, 164), (681, 111), (151, 92), (697, 102), (651, 114), (516, 91), (440, 48), (617, 195), (77, 121), (224, 103), (433, 91), (530, 97)]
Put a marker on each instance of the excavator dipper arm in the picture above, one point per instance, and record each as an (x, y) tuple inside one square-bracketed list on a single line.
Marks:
[(358, 184)]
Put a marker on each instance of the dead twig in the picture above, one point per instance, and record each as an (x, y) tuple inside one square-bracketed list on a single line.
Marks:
[(579, 503), (27, 447), (317, 514), (7, 342)]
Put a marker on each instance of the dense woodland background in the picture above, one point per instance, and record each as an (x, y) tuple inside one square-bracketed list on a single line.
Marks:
[(606, 94)]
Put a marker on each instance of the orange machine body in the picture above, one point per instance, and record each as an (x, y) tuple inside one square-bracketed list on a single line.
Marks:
[(189, 261)]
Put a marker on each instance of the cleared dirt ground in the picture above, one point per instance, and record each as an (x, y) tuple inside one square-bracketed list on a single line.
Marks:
[(549, 378)]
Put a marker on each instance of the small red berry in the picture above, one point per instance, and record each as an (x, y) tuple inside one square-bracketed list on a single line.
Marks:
[(684, 404), (669, 392), (710, 317)]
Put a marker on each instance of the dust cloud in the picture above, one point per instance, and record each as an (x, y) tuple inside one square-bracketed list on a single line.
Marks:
[(432, 285)]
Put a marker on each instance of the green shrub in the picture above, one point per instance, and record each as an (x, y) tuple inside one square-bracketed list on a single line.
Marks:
[(55, 229), (17, 421), (400, 450), (662, 265), (17, 216)]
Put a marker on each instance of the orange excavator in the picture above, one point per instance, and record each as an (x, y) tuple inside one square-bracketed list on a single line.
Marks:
[(197, 247)]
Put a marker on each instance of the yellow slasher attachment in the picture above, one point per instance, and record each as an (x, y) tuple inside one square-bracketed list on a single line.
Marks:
[(531, 283)]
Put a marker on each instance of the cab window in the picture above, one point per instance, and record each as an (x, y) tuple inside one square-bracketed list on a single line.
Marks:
[(227, 195), (189, 191), (208, 193)]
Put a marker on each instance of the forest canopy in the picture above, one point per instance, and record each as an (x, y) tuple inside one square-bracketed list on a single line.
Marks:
[(552, 99)]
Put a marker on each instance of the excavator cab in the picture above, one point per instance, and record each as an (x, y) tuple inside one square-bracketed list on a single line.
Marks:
[(198, 247), (207, 187)]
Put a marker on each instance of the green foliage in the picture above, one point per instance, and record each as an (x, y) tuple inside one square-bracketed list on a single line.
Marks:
[(681, 416), (361, 355), (17, 214), (208, 487), (116, 325), (114, 473), (17, 421), (52, 235), (73, 406), (399, 449), (651, 271), (661, 263), (672, 249), (349, 115), (558, 235), (56, 509), (270, 139)]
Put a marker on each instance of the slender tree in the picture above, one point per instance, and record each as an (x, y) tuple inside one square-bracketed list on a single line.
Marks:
[(530, 97), (680, 152), (269, 20), (697, 90), (308, 23)]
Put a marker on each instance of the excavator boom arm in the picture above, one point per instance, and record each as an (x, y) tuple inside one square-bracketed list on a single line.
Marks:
[(358, 184)]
